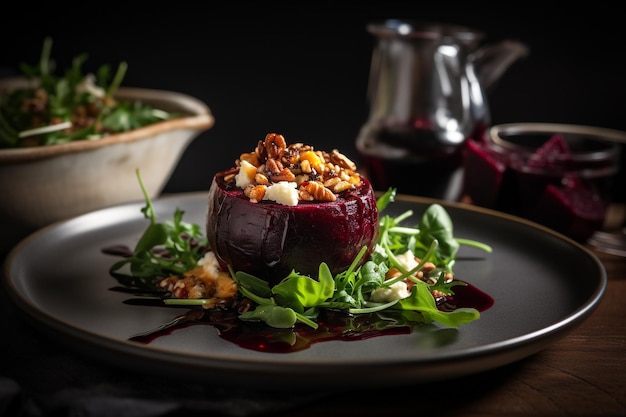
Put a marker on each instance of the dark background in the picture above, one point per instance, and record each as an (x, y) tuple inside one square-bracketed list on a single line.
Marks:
[(302, 70)]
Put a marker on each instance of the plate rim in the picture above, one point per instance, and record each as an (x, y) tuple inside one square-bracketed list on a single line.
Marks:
[(153, 359)]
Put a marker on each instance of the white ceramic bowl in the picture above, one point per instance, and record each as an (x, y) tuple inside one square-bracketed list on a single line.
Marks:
[(45, 184)]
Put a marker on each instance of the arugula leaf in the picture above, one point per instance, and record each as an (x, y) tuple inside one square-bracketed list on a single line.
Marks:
[(274, 316), (299, 291), (164, 249), (388, 197), (436, 224), (422, 300), (252, 284)]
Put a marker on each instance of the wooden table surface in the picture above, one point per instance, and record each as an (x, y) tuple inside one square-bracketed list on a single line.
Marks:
[(582, 374)]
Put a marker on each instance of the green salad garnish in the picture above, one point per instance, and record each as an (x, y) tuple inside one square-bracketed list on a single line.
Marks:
[(54, 109), (173, 247)]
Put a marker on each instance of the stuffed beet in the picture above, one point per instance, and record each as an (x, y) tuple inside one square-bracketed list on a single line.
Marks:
[(286, 208)]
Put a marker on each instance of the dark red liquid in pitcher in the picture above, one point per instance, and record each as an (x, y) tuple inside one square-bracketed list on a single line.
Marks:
[(413, 161)]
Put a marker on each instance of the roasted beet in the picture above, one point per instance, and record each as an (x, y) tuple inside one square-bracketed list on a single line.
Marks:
[(574, 209), (268, 240), (555, 148), (484, 174)]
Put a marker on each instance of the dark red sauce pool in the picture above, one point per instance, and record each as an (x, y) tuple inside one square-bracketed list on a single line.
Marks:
[(333, 325)]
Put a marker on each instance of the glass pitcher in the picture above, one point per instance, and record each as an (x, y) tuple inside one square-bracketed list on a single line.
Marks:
[(427, 96)]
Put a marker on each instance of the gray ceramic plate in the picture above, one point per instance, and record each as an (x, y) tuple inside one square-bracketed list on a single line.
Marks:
[(543, 284)]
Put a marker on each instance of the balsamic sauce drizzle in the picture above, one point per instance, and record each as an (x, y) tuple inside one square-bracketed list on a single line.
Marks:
[(333, 324)]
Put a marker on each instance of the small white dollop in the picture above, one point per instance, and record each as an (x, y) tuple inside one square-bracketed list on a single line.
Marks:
[(283, 192), (396, 291), (246, 174)]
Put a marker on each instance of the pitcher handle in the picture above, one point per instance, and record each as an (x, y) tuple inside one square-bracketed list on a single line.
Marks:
[(491, 61)]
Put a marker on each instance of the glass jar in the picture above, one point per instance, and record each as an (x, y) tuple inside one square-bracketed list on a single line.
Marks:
[(561, 176)]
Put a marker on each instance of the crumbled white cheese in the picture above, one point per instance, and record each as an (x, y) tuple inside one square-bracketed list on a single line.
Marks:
[(283, 192), (246, 174), (210, 265), (407, 260), (396, 291)]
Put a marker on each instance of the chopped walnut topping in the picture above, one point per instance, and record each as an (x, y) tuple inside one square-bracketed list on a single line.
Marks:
[(318, 175)]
